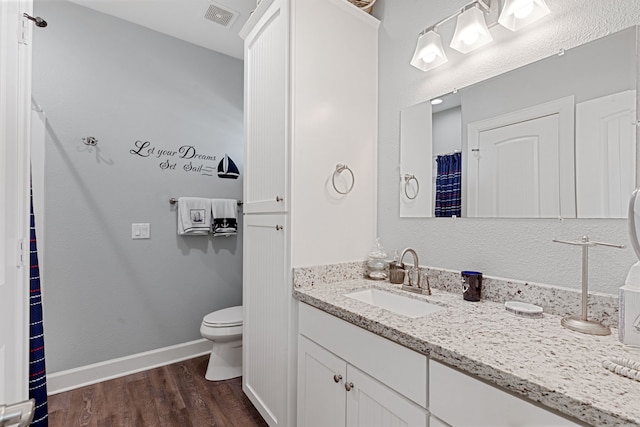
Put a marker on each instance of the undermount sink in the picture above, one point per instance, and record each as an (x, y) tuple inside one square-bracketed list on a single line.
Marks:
[(399, 304)]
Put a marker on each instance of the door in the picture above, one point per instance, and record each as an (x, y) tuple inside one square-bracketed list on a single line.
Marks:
[(321, 392), (605, 155), (518, 170), (372, 404), (15, 95), (267, 305), (266, 112), (521, 164)]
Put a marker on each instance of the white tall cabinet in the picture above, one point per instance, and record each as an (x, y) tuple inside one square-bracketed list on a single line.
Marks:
[(310, 104)]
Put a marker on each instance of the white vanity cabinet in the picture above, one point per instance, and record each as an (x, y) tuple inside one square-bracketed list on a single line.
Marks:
[(350, 377), (461, 400)]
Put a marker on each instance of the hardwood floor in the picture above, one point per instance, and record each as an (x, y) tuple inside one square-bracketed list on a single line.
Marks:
[(173, 395)]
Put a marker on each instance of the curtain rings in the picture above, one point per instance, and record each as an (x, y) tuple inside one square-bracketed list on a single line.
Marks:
[(407, 179), (339, 169)]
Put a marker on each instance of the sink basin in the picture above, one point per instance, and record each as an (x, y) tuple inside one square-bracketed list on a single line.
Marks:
[(399, 304)]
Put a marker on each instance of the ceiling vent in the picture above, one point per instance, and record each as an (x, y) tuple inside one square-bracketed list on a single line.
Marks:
[(221, 15)]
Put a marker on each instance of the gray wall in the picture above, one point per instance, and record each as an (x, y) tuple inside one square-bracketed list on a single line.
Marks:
[(511, 248), (107, 295)]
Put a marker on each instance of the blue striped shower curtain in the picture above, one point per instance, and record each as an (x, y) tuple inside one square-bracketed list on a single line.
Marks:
[(37, 373), (449, 185)]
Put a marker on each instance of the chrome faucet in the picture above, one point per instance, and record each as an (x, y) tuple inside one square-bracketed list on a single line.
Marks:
[(419, 287), (411, 287)]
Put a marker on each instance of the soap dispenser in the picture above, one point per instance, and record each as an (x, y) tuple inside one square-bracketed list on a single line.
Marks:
[(629, 320)]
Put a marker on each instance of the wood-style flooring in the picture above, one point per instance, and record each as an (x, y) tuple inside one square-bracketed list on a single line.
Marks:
[(175, 395)]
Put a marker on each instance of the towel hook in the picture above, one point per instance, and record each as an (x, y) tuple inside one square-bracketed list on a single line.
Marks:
[(339, 169), (407, 179), (90, 140)]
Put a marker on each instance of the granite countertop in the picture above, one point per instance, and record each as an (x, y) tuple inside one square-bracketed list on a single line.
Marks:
[(535, 358)]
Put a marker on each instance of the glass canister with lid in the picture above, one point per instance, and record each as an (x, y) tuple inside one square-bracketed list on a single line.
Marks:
[(377, 263)]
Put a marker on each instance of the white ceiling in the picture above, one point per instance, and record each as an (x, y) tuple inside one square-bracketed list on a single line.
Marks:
[(183, 19)]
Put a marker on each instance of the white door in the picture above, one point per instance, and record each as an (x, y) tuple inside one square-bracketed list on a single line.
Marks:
[(15, 95), (521, 164), (605, 155), (266, 117), (517, 170), (267, 305), (321, 392), (372, 404)]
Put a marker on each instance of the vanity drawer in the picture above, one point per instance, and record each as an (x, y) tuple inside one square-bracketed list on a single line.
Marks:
[(398, 367), (461, 400)]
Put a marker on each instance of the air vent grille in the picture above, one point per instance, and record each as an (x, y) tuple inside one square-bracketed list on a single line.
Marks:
[(220, 15)]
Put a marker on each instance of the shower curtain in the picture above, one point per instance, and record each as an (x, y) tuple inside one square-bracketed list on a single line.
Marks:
[(37, 373), (448, 185)]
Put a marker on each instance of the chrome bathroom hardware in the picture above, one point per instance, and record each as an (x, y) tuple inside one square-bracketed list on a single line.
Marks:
[(91, 141), (339, 169), (173, 201), (337, 378), (412, 287), (407, 179), (582, 323)]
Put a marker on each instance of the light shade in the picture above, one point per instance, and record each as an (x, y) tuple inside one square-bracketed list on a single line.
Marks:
[(429, 52), (520, 13), (471, 31)]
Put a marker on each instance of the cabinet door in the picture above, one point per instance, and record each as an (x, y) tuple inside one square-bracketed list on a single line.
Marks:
[(321, 392), (266, 309), (372, 404), (266, 112)]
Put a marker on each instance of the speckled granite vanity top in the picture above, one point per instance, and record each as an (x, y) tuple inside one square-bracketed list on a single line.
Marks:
[(535, 358)]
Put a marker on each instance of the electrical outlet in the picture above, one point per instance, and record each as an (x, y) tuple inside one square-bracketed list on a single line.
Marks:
[(140, 231)]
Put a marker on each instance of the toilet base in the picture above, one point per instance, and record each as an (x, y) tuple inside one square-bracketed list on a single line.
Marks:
[(225, 361)]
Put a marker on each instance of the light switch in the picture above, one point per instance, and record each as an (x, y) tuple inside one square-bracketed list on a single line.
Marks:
[(140, 231)]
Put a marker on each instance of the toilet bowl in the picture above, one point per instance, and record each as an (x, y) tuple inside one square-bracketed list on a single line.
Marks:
[(224, 329)]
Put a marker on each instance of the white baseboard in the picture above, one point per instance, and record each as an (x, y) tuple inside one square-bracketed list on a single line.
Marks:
[(59, 382)]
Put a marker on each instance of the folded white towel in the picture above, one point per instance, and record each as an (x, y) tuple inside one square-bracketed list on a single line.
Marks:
[(225, 217), (194, 216)]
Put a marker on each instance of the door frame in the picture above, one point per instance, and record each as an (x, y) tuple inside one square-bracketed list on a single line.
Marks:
[(15, 120), (564, 107)]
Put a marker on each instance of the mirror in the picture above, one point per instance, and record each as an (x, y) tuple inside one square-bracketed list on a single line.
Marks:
[(555, 138)]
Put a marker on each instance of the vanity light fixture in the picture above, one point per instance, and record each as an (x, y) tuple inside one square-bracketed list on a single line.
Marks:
[(429, 52), (520, 13), (471, 30)]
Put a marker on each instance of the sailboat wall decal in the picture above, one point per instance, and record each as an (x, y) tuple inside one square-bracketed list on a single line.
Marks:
[(228, 169)]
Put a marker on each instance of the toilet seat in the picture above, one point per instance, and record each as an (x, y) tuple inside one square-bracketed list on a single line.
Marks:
[(225, 318)]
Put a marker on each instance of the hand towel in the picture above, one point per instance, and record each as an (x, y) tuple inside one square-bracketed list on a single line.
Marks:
[(225, 217), (194, 216)]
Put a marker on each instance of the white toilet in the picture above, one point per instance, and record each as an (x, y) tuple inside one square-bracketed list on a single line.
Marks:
[(224, 328)]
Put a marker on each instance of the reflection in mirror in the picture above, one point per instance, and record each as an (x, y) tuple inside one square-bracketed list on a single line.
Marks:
[(555, 138), (634, 221)]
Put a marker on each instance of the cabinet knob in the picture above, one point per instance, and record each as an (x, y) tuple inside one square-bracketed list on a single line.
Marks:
[(279, 199), (348, 386), (279, 227), (337, 378)]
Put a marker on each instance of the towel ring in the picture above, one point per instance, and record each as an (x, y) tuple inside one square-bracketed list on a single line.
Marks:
[(407, 179), (339, 169)]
